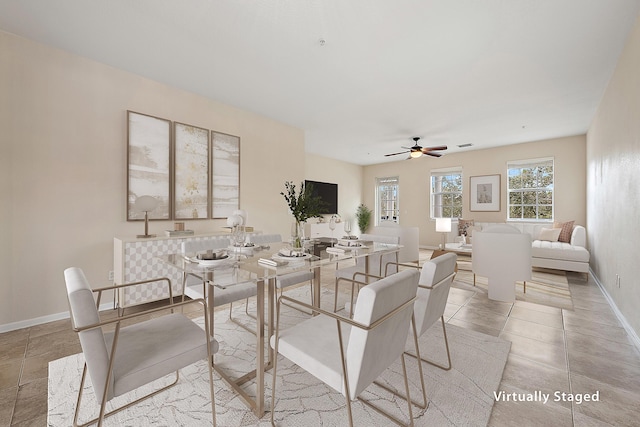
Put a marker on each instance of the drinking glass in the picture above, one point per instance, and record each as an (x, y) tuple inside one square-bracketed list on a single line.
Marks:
[(332, 226), (347, 228)]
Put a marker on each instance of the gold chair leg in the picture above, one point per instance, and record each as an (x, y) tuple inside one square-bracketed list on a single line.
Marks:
[(103, 412), (446, 343), (525, 286), (424, 403), (408, 399)]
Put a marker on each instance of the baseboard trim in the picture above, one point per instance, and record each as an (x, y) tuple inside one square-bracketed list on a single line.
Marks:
[(44, 319), (623, 320)]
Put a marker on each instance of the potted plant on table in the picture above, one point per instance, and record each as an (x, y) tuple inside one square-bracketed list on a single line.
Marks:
[(303, 205)]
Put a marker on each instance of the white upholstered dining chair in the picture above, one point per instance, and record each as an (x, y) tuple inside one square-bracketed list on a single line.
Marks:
[(289, 279), (409, 239), (435, 281), (132, 356), (367, 268), (226, 290), (349, 354)]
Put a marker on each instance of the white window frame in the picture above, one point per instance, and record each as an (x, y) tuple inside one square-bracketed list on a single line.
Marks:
[(391, 198), (436, 209), (531, 163)]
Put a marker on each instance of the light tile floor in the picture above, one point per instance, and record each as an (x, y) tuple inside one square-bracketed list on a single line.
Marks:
[(584, 350)]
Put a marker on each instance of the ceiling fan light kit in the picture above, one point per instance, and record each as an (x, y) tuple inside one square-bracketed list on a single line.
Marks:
[(418, 151)]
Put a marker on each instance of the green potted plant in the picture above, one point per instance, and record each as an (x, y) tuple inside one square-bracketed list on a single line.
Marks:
[(363, 216), (303, 205)]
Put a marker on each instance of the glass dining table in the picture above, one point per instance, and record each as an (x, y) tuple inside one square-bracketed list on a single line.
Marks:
[(259, 266)]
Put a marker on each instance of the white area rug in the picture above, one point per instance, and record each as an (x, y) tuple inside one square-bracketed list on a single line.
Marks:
[(462, 396)]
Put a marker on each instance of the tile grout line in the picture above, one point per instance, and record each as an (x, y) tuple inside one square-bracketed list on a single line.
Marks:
[(566, 356)]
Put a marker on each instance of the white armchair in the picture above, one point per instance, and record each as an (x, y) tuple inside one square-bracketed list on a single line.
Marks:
[(502, 254), (348, 355), (135, 355)]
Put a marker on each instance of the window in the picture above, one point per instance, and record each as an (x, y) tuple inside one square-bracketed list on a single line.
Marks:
[(387, 199), (530, 190), (446, 193)]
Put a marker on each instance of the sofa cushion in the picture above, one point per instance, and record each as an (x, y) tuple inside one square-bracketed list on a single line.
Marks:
[(559, 251), (566, 230), (550, 234)]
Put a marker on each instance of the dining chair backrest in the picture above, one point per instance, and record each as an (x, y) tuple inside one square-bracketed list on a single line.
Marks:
[(84, 313), (370, 352), (209, 243), (378, 261), (409, 239), (262, 239), (431, 303)]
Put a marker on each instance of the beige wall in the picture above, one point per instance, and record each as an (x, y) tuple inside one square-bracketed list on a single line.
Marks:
[(613, 162), (569, 160), (63, 168)]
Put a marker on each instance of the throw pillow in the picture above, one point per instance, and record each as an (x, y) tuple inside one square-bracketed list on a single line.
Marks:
[(566, 230), (463, 225), (550, 234)]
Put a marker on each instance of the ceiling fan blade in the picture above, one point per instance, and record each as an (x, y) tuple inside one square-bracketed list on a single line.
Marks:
[(395, 154), (432, 154), (440, 147)]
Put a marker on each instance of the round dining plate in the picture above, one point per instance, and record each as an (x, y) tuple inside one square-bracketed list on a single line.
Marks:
[(211, 262), (349, 248), (280, 257)]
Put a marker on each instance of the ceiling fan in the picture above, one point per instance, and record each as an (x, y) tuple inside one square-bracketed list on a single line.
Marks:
[(418, 151)]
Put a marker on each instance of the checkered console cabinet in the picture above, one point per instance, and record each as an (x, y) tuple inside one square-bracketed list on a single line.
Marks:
[(137, 259)]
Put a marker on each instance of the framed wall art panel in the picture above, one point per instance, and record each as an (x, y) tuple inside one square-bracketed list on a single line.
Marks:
[(149, 164), (484, 193), (225, 162), (191, 182)]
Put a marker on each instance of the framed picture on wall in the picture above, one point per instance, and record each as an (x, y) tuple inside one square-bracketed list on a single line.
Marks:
[(225, 175), (191, 182), (149, 164), (484, 193)]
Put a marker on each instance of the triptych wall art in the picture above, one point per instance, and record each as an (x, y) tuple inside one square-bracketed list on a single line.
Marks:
[(193, 172)]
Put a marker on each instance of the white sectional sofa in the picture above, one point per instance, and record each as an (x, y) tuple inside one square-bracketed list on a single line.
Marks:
[(572, 256)]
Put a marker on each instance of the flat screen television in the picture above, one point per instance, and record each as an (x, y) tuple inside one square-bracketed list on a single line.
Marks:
[(328, 193)]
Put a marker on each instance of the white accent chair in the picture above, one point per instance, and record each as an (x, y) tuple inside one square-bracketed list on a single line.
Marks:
[(348, 355), (135, 355), (366, 269), (502, 254)]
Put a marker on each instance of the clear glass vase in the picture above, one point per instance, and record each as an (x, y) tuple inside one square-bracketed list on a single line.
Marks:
[(297, 234)]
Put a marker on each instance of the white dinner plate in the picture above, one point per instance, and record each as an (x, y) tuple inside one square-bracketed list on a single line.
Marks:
[(211, 262), (280, 257), (349, 248)]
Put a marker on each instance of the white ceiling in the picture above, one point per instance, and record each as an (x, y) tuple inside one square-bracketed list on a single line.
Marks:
[(486, 72)]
